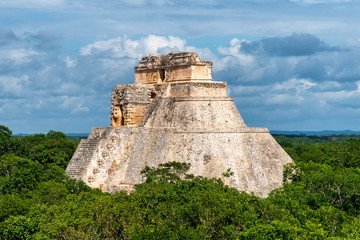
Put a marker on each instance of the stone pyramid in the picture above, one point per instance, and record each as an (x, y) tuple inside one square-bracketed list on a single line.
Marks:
[(175, 112)]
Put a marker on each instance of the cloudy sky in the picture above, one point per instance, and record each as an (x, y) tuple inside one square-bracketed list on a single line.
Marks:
[(289, 64)]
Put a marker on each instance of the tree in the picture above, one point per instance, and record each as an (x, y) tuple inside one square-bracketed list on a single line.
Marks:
[(5, 140), (18, 175), (55, 135)]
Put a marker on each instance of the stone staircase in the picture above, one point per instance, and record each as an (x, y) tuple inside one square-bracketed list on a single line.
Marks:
[(85, 152), (82, 157)]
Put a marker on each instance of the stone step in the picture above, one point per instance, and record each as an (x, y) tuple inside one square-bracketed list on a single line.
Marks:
[(89, 145), (75, 171)]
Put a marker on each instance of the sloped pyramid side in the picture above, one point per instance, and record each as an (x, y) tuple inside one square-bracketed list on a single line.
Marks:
[(198, 127)]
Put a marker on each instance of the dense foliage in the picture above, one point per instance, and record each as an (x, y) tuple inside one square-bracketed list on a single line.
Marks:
[(320, 198)]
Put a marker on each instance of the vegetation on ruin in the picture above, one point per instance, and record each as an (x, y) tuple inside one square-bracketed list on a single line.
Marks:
[(320, 198)]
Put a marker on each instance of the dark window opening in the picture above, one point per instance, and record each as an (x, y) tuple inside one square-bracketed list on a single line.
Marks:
[(162, 75)]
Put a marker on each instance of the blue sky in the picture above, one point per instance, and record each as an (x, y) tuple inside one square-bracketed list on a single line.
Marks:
[(289, 64)]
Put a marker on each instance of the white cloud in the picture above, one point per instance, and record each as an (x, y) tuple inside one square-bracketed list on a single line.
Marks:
[(283, 99), (234, 50), (70, 63), (30, 3), (74, 104), (18, 56), (329, 85), (343, 95), (13, 85), (125, 47), (152, 44), (290, 92), (298, 84), (248, 90), (111, 44)]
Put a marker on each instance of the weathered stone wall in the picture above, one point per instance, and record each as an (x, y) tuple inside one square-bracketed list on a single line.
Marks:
[(150, 76), (196, 112), (196, 89), (252, 154)]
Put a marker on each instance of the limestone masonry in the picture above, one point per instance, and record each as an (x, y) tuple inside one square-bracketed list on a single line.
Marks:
[(175, 112)]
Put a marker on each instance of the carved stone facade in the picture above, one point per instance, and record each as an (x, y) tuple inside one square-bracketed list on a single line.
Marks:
[(128, 104), (175, 112)]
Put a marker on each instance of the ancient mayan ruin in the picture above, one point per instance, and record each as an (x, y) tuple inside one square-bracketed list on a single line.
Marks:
[(175, 112)]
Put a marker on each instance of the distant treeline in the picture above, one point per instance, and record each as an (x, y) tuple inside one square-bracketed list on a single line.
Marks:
[(314, 138), (320, 198), (316, 133)]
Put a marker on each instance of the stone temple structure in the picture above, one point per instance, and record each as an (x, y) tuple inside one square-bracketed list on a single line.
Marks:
[(175, 112)]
